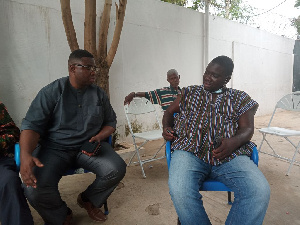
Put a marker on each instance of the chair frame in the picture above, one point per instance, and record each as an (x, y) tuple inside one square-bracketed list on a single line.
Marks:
[(290, 102), (139, 106), (210, 184)]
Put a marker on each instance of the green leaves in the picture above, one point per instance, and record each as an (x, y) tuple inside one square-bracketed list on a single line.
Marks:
[(229, 9), (177, 2)]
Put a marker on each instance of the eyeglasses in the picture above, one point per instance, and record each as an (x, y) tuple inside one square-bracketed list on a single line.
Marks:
[(90, 68)]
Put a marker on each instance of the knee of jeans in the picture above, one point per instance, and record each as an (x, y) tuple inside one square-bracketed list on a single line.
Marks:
[(117, 173), (39, 196), (176, 190), (264, 192)]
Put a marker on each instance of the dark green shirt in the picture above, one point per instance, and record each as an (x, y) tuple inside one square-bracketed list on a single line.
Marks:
[(67, 117), (164, 96)]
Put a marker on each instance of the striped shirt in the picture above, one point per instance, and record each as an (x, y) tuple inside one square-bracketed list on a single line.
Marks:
[(164, 96), (200, 120), (9, 132)]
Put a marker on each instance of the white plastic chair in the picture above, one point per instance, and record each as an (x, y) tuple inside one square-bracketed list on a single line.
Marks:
[(139, 106), (290, 102)]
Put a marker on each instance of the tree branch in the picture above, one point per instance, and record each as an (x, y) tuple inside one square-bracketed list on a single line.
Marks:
[(104, 25), (118, 29), (68, 24), (90, 27)]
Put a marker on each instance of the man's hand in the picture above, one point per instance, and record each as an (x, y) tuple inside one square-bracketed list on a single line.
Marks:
[(226, 148), (26, 171), (129, 98), (95, 138), (169, 134)]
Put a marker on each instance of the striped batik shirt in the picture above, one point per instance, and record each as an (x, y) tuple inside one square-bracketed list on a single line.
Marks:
[(163, 96), (200, 121)]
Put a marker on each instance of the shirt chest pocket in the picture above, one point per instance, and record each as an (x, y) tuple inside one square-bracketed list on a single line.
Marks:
[(95, 114)]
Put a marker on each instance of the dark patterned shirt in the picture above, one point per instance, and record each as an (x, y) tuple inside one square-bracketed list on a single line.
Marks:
[(200, 120), (164, 96), (9, 132)]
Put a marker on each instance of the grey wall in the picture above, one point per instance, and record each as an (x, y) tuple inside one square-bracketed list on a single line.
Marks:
[(156, 37)]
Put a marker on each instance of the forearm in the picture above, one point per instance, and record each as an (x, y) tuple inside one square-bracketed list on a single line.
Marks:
[(242, 136), (105, 132), (168, 119), (28, 142), (129, 97), (140, 94)]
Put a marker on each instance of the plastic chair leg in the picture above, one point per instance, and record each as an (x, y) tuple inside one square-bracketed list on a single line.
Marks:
[(105, 208), (178, 221), (229, 198)]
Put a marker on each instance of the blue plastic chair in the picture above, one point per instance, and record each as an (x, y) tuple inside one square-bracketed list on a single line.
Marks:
[(69, 172), (209, 184)]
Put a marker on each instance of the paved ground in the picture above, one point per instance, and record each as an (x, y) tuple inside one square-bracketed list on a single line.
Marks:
[(141, 201)]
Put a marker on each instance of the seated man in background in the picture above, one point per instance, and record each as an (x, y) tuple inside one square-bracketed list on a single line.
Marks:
[(164, 96), (14, 209), (64, 115), (206, 112)]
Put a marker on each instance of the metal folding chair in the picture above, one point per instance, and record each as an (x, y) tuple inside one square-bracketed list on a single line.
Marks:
[(142, 106), (290, 102)]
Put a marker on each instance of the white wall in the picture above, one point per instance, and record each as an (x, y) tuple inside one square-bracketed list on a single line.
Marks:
[(156, 37)]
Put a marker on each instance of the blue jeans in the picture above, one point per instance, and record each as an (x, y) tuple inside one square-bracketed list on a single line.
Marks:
[(108, 166), (241, 175)]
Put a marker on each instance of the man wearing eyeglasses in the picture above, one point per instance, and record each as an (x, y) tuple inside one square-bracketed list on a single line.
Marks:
[(64, 115), (163, 96)]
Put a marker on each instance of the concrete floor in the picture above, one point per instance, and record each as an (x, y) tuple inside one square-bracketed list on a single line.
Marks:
[(139, 201)]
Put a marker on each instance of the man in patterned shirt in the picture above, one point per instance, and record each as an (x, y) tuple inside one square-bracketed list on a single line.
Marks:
[(163, 96), (206, 112), (13, 205)]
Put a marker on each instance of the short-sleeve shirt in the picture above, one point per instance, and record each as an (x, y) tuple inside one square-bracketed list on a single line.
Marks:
[(9, 132), (200, 120), (66, 116), (163, 96)]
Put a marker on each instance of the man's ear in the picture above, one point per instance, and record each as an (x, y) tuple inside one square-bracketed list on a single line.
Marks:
[(71, 68), (227, 79)]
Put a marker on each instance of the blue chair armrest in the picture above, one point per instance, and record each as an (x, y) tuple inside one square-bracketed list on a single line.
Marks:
[(254, 156), (168, 153), (17, 155)]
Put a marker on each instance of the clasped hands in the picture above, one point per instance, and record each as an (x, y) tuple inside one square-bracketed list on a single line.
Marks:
[(224, 150)]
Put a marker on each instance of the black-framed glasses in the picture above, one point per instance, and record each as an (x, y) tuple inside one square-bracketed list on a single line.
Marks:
[(90, 68)]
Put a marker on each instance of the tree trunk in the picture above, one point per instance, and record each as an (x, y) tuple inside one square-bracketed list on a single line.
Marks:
[(102, 59), (68, 24), (105, 60), (90, 27)]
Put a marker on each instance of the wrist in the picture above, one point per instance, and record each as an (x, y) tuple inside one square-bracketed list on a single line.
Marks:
[(134, 94)]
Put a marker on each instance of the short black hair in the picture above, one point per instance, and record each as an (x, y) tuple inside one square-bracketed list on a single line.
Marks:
[(226, 63), (80, 53)]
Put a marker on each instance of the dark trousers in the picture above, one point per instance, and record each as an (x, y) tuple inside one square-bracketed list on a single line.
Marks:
[(14, 209), (108, 166)]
